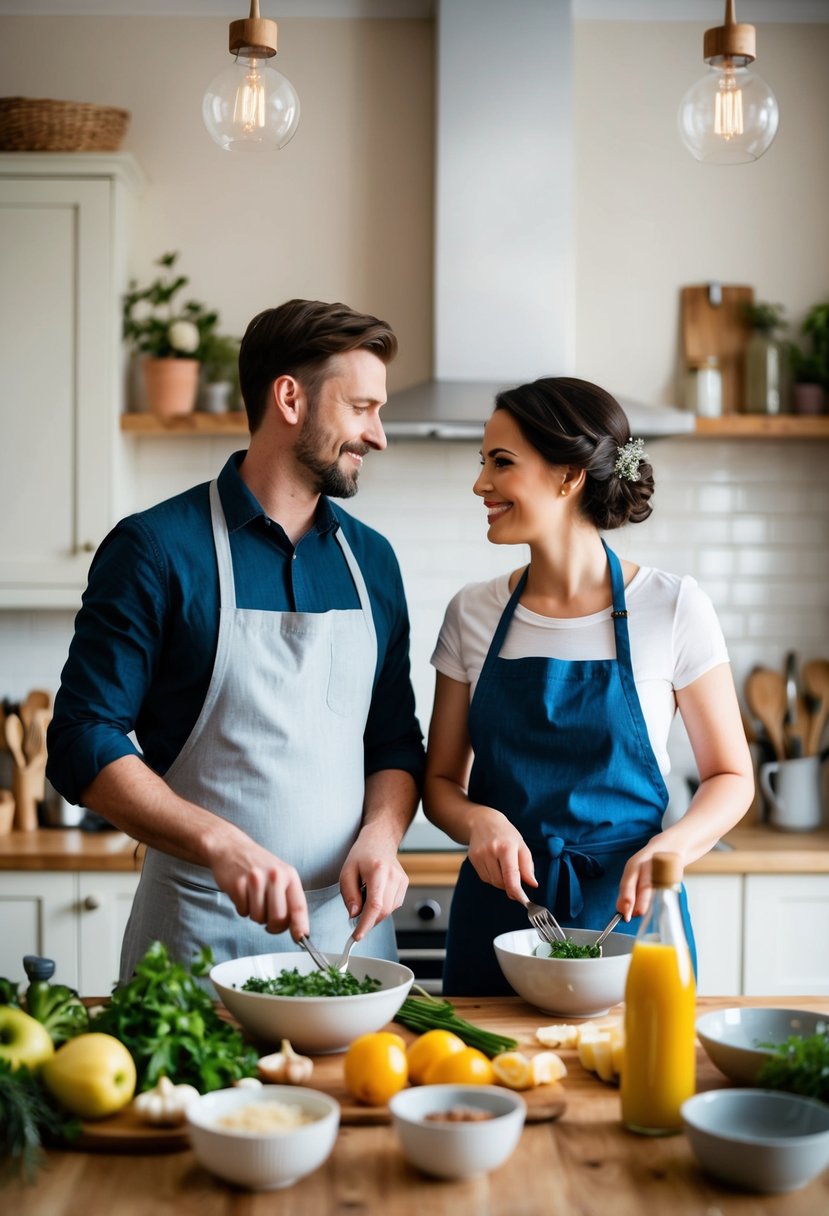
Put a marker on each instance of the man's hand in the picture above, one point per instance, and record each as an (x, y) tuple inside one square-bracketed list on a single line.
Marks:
[(374, 866), (263, 888)]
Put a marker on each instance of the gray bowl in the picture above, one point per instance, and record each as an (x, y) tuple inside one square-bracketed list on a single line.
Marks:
[(758, 1139), (730, 1037)]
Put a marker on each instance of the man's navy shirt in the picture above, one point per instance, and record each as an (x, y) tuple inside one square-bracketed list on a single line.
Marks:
[(145, 638)]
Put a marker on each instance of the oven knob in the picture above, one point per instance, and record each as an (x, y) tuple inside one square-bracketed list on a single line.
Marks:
[(427, 909)]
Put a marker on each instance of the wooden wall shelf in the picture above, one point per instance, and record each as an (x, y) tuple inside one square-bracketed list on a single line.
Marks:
[(731, 426), (764, 426), (235, 423)]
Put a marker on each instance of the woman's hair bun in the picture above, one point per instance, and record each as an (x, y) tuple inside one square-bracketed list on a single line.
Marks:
[(570, 421)]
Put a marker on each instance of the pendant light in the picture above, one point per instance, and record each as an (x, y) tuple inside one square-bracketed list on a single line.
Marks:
[(730, 116), (249, 105)]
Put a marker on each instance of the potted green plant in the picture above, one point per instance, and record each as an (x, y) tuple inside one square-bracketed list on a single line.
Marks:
[(220, 369), (767, 364), (811, 363), (172, 338)]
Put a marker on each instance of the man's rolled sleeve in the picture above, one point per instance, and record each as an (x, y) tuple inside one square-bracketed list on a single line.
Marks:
[(118, 636)]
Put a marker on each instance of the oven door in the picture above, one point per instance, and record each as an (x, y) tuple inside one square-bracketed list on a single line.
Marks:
[(420, 925)]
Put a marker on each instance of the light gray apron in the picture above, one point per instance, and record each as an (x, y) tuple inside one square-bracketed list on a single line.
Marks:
[(278, 751)]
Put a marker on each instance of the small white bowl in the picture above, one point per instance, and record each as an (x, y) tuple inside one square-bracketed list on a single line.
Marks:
[(730, 1037), (317, 1024), (759, 1139), (577, 987), (462, 1149), (257, 1160)]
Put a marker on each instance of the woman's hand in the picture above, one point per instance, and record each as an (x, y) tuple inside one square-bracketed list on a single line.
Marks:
[(635, 887), (499, 854)]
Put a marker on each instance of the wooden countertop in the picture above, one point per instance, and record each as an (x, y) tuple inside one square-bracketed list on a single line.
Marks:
[(584, 1163), (757, 850)]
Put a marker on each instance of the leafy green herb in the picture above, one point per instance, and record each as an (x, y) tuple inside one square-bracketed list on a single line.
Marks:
[(27, 1118), (315, 983), (800, 1066), (426, 1012), (8, 993), (569, 949), (167, 1022)]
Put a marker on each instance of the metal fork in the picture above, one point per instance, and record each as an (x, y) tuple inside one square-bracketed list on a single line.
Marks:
[(342, 965), (543, 921), (606, 931), (320, 959)]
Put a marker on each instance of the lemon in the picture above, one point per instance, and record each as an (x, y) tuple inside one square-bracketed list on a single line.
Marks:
[(547, 1068), (513, 1069), (375, 1067), (564, 1035), (92, 1075), (466, 1067), (428, 1049)]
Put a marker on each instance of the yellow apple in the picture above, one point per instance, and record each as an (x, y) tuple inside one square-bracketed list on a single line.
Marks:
[(92, 1075), (23, 1039)]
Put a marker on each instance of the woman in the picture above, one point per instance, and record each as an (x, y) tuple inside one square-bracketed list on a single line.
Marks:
[(557, 686)]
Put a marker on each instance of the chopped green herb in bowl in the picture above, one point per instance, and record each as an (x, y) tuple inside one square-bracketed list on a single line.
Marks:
[(315, 983), (566, 949)]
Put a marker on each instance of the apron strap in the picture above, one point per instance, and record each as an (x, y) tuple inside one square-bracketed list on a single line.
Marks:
[(569, 863)]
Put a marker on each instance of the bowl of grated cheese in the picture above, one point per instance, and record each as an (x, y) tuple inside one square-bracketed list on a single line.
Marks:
[(263, 1139)]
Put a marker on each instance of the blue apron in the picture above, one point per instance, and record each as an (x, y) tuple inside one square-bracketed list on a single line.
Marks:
[(561, 748)]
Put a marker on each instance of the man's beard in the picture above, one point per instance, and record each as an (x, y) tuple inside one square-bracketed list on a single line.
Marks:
[(329, 478)]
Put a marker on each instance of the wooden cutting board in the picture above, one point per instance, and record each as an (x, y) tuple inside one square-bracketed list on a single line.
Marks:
[(126, 1132), (711, 328)]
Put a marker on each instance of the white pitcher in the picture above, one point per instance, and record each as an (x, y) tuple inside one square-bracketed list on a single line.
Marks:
[(793, 791)]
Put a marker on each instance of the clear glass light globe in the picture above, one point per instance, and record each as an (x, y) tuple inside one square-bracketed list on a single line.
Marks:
[(249, 105), (728, 117)]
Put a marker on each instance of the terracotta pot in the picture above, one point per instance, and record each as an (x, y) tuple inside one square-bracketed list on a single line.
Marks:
[(172, 385), (807, 398)]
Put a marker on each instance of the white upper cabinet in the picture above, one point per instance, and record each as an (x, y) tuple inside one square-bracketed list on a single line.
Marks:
[(64, 224)]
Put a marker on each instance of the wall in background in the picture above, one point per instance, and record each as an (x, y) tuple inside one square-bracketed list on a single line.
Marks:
[(748, 520)]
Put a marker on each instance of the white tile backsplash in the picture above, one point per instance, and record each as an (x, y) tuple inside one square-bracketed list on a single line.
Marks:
[(748, 519)]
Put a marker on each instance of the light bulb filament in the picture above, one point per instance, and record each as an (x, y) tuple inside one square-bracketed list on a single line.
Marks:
[(728, 113), (249, 106)]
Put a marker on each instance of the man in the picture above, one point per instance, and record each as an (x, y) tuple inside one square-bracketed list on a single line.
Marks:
[(255, 638)]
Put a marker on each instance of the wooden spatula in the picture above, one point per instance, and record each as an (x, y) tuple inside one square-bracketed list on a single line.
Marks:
[(766, 698), (815, 677)]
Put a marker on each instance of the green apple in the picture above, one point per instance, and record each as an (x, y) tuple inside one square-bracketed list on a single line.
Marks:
[(23, 1039), (92, 1075)]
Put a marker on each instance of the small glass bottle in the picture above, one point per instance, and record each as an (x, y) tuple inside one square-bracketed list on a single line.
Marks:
[(703, 387), (659, 1070)]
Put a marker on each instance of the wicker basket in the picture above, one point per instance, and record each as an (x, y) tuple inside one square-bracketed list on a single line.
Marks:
[(29, 124)]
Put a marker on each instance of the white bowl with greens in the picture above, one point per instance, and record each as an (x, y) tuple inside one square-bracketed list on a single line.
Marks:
[(572, 987), (291, 1006)]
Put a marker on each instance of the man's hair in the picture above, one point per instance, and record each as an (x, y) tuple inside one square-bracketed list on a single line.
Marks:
[(298, 339)]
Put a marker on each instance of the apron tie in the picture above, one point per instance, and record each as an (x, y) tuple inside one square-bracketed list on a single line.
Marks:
[(568, 864)]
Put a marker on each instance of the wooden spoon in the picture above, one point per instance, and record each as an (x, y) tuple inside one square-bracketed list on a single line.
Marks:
[(815, 676), (14, 739), (766, 698)]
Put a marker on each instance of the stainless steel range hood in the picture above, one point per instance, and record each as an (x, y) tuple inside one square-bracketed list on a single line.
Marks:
[(458, 409), (504, 293)]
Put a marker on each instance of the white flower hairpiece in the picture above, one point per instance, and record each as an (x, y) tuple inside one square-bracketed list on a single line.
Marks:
[(627, 462)]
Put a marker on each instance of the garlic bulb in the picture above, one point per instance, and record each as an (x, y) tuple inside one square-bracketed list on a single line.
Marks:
[(285, 1067), (166, 1104)]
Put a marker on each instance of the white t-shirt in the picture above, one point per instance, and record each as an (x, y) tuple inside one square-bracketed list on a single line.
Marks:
[(675, 638)]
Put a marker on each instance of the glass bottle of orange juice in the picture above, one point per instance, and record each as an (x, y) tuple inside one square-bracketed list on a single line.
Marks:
[(659, 1070)]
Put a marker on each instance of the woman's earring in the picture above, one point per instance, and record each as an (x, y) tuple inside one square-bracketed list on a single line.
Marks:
[(563, 492)]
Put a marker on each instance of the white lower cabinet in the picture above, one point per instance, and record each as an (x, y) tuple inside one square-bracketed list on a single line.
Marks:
[(715, 902), (786, 935), (76, 919)]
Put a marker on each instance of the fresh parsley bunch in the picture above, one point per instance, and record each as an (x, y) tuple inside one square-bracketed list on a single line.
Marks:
[(170, 1027)]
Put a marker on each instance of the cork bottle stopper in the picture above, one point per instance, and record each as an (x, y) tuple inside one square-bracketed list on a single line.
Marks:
[(666, 869)]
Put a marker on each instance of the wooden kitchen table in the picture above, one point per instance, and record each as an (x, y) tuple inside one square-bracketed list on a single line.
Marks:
[(583, 1164)]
